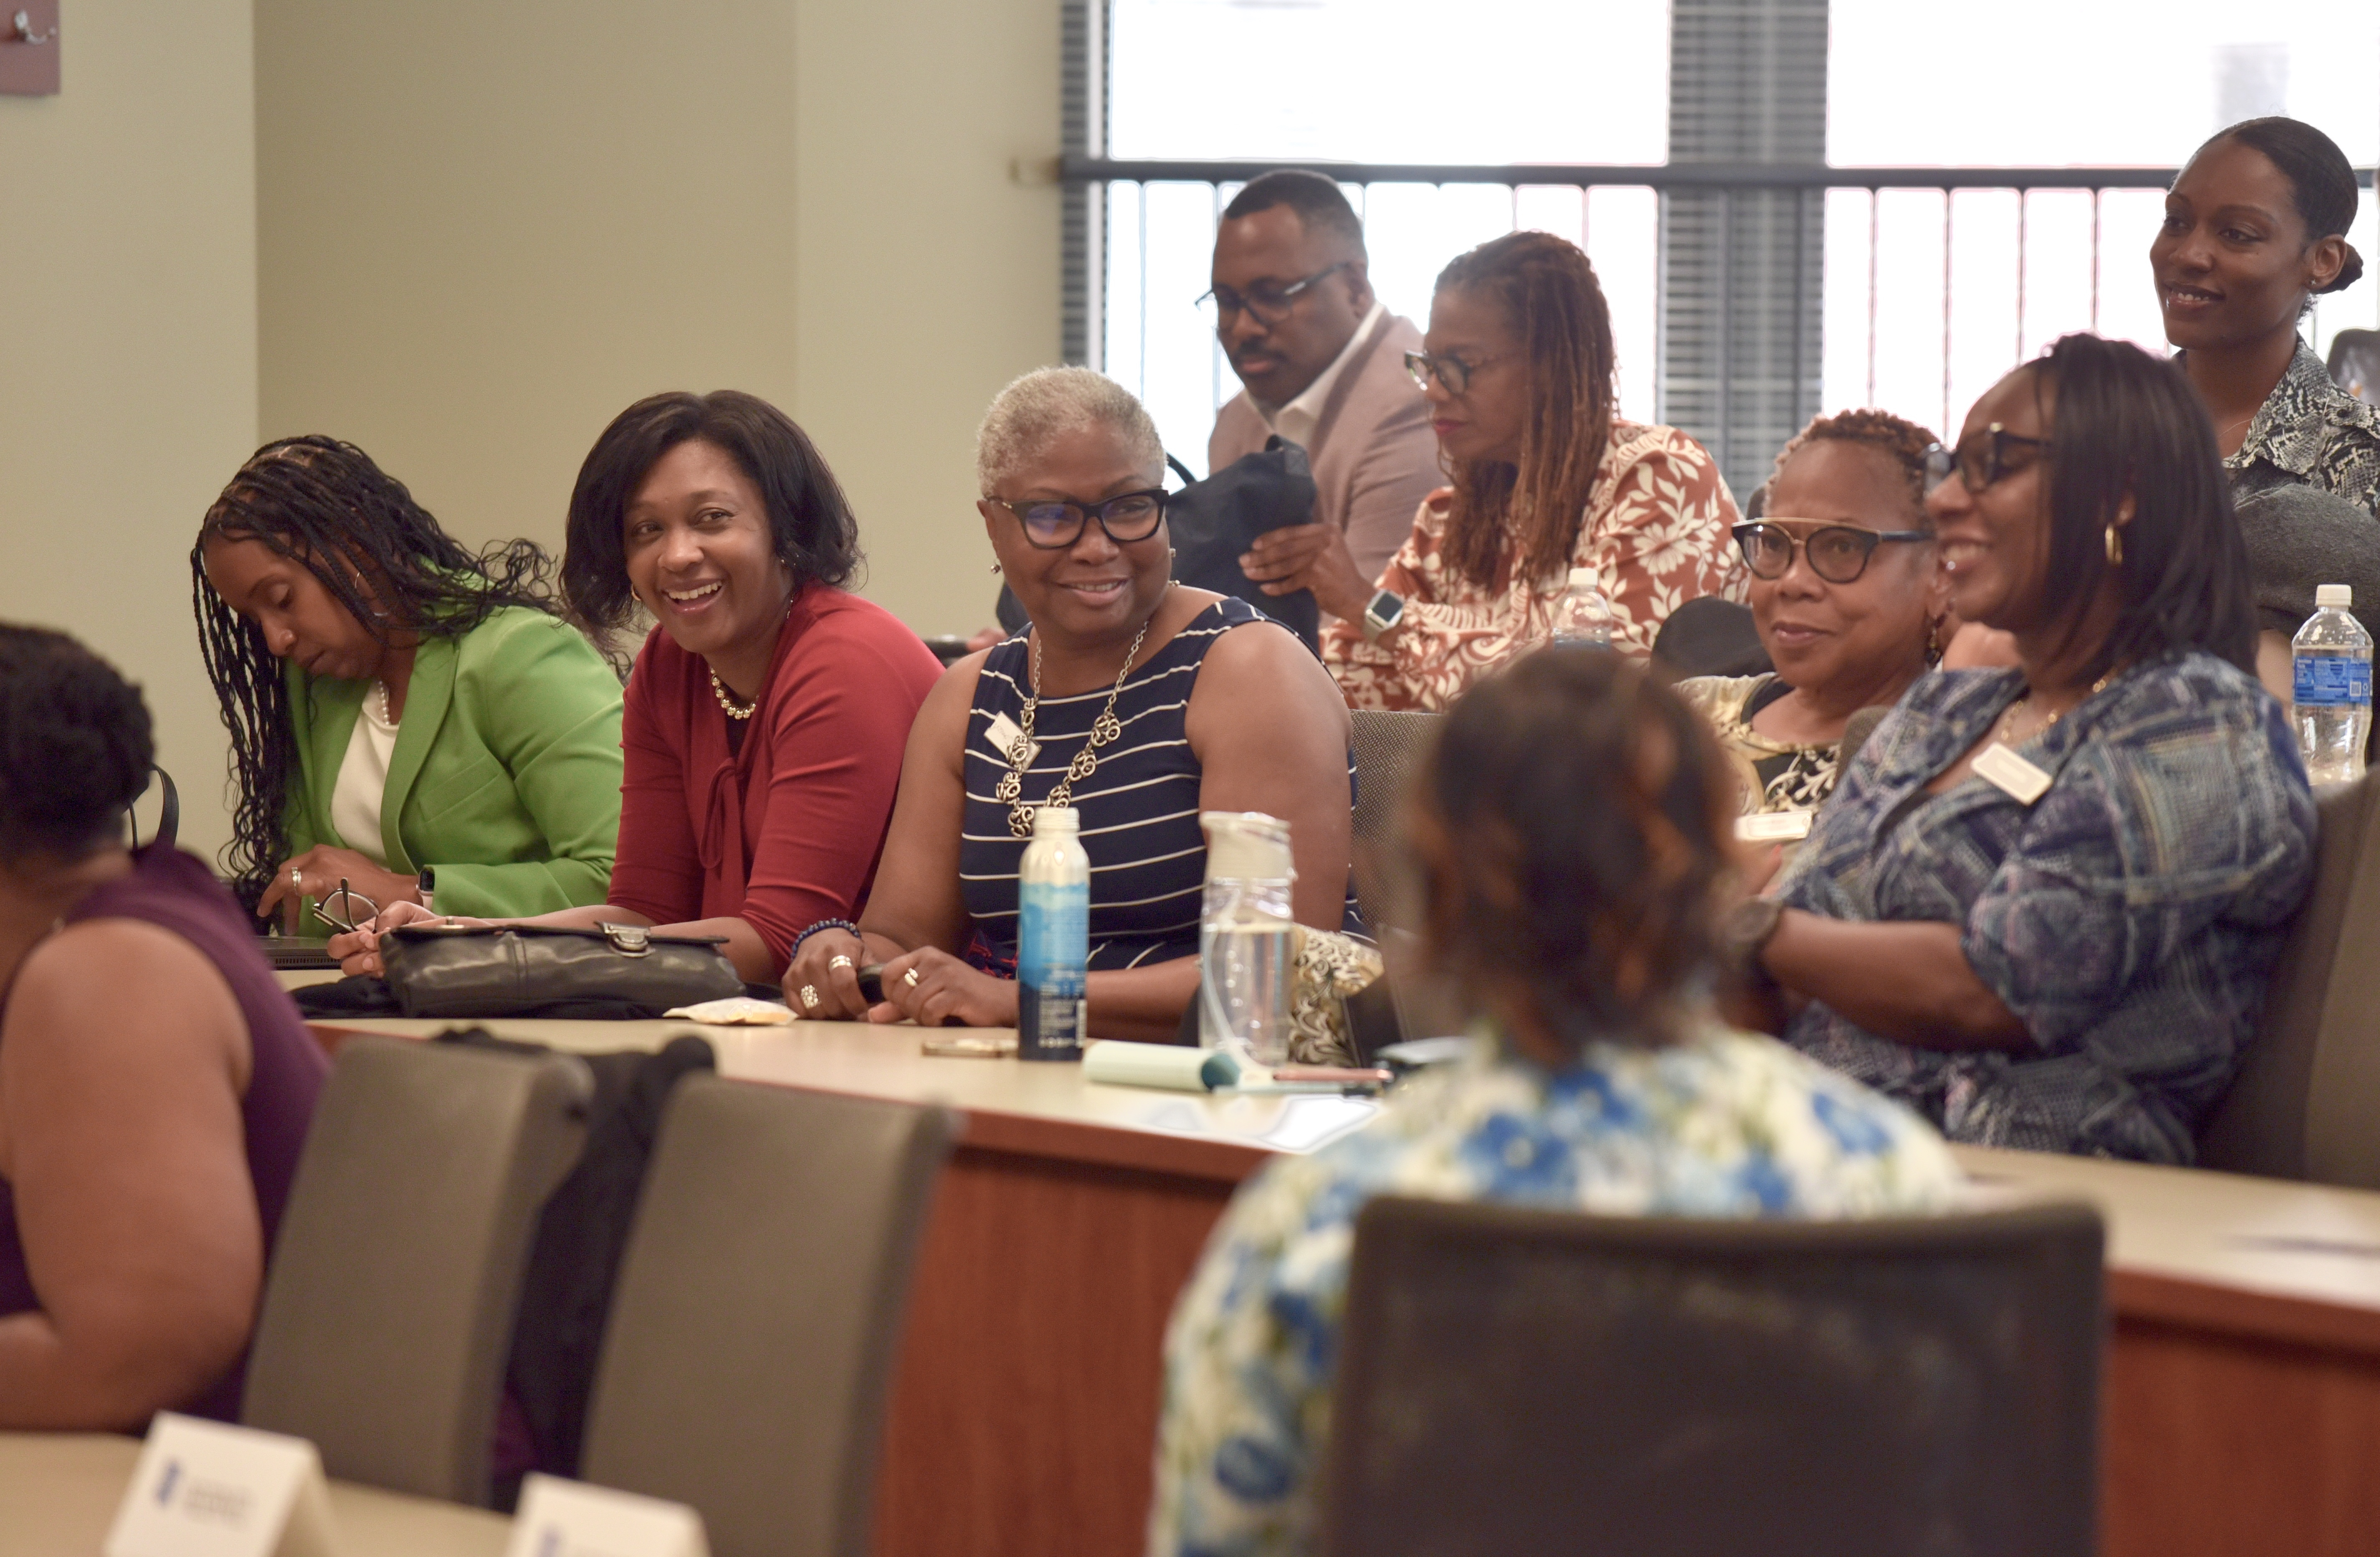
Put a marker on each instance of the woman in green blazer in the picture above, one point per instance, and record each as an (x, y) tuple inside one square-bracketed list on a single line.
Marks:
[(395, 704)]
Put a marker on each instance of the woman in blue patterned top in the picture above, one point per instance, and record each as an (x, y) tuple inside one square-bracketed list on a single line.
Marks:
[(1571, 834), (2043, 905), (1213, 708)]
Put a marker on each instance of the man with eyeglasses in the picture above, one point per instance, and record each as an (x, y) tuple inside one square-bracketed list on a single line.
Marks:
[(1321, 361)]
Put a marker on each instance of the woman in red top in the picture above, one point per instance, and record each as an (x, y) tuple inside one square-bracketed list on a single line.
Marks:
[(765, 721)]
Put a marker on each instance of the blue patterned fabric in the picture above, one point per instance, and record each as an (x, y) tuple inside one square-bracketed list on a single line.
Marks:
[(2129, 916), (1722, 1125)]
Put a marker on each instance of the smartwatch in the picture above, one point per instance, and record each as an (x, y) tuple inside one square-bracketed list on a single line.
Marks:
[(1384, 611)]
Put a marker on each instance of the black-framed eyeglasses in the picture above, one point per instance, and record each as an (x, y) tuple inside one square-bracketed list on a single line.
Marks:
[(1984, 457), (1451, 371), (1269, 304), (1838, 553), (1052, 523), (338, 911)]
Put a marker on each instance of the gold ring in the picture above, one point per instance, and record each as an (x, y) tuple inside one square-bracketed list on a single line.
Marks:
[(810, 997), (910, 977), (838, 960)]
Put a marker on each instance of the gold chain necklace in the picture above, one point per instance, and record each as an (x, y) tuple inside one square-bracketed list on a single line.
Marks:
[(1104, 729), (719, 690), (2007, 719)]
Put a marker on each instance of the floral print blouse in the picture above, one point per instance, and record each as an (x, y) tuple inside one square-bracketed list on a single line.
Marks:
[(1657, 533), (2310, 430), (2129, 916), (1721, 1125)]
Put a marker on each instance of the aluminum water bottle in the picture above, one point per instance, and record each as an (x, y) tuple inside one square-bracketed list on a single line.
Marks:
[(1053, 938), (2331, 687), (1583, 615), (1246, 958)]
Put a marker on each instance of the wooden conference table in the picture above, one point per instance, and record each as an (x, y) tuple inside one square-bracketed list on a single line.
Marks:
[(2242, 1402), (59, 1493)]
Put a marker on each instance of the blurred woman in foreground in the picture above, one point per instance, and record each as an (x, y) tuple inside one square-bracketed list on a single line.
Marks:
[(1571, 837)]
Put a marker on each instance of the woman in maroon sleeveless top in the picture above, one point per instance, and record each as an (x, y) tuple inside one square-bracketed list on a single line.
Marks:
[(155, 1083)]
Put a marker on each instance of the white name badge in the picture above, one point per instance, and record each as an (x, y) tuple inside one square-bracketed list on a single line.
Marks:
[(1774, 827), (208, 1489), (2011, 774), (1004, 735), (561, 1518)]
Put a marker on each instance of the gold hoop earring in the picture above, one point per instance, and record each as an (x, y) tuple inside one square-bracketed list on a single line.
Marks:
[(2115, 539), (1934, 642)]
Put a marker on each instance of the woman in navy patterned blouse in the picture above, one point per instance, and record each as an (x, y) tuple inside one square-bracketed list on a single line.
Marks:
[(2043, 905)]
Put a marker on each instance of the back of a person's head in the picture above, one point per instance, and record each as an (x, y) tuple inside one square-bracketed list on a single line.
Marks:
[(1568, 834), (75, 746), (2121, 424), (1320, 205), (2321, 180)]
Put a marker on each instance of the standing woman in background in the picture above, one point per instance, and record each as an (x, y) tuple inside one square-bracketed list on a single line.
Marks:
[(2254, 229), (767, 717), (1519, 374), (396, 702)]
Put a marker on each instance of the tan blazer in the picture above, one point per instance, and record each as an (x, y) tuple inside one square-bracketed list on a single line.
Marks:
[(1374, 456)]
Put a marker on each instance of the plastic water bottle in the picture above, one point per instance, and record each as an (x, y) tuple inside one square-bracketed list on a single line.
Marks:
[(1245, 960), (2331, 691), (1053, 938), (1583, 615)]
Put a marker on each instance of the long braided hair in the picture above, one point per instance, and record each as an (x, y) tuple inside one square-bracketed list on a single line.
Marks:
[(324, 505), (1548, 293)]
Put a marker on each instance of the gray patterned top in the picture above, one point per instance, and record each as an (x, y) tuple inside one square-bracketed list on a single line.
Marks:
[(2129, 916), (2311, 430)]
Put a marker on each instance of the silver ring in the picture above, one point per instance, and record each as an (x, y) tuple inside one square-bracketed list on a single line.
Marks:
[(910, 977), (838, 960), (810, 997), (297, 877)]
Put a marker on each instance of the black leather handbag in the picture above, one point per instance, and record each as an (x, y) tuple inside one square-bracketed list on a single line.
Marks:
[(512, 970)]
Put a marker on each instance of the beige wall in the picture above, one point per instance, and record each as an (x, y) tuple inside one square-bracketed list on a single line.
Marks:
[(127, 346), (485, 228)]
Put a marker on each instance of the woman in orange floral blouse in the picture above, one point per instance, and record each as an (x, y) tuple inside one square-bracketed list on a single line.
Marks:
[(1519, 374)]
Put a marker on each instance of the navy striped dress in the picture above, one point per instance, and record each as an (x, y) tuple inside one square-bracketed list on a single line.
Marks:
[(1139, 808)]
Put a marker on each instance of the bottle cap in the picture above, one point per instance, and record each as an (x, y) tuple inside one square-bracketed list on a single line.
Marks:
[(2328, 595), (1246, 845), (1056, 819), (1584, 575)]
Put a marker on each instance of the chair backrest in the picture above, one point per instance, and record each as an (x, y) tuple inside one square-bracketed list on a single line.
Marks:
[(749, 1352), (1389, 745), (2306, 1103), (399, 1259), (1529, 1380)]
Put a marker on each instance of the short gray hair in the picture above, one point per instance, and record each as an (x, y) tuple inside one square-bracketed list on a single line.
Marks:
[(1049, 403)]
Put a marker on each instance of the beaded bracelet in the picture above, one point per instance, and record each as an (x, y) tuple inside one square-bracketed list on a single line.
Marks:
[(823, 924)]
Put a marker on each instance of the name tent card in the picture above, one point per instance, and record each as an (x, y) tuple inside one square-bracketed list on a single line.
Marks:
[(206, 1489), (1774, 827), (561, 1518)]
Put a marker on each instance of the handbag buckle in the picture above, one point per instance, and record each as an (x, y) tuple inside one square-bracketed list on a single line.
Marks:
[(628, 940)]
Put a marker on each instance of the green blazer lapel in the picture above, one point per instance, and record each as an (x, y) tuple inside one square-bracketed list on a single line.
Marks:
[(324, 713), (427, 698)]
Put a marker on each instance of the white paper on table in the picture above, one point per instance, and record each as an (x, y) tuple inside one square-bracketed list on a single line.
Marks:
[(560, 1518), (207, 1488), (734, 1011)]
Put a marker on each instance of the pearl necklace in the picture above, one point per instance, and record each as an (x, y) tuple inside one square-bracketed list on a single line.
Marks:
[(385, 717), (719, 690), (1104, 729)]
